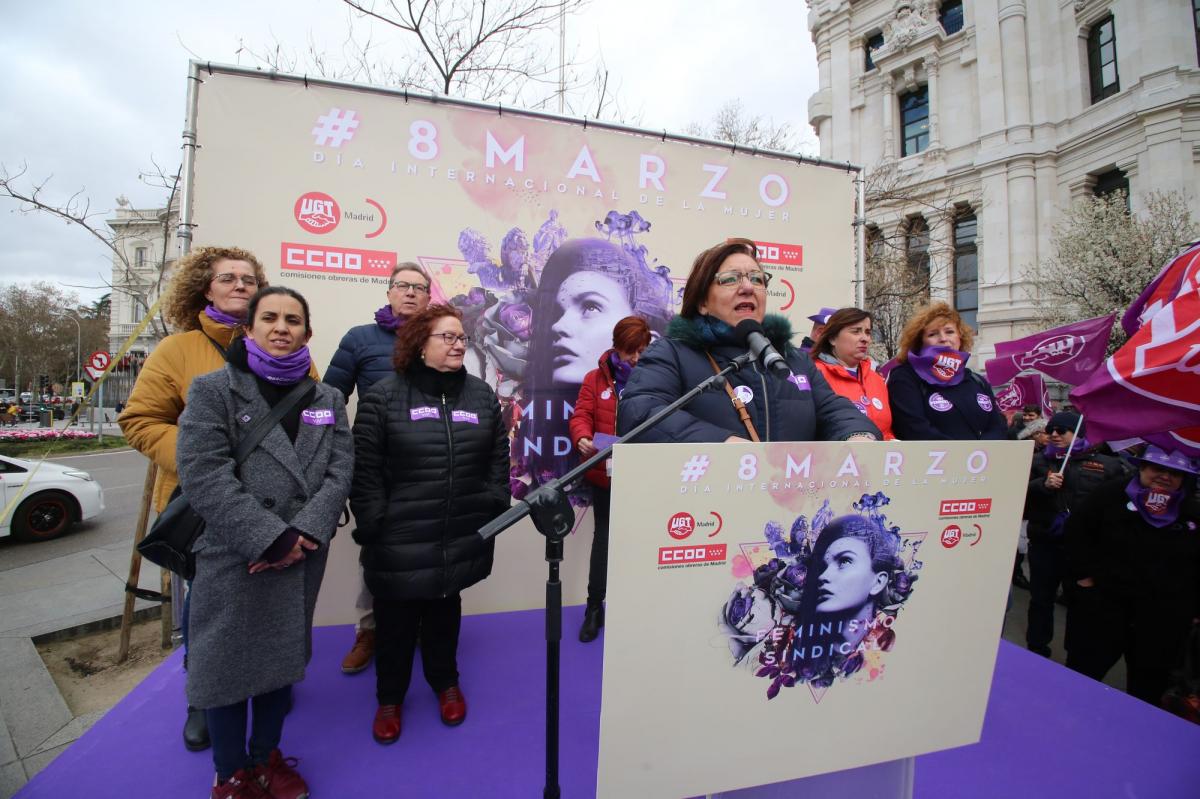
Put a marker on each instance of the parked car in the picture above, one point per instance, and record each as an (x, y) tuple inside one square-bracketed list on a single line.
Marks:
[(52, 498)]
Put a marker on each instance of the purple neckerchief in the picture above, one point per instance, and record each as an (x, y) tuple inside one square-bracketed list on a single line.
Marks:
[(280, 371), (940, 366), (1080, 444), (386, 318), (1158, 508), (620, 370), (219, 316)]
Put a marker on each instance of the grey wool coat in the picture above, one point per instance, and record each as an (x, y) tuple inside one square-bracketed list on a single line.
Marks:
[(252, 633)]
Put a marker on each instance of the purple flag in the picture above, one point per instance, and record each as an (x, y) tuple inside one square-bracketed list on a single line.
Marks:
[(1025, 390), (1181, 274), (1071, 353)]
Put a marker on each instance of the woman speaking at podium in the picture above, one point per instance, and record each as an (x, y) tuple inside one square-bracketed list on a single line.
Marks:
[(726, 286)]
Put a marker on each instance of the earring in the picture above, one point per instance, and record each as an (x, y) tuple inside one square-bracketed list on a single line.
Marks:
[(422, 356)]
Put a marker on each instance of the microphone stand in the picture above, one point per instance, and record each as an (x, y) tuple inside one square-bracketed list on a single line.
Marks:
[(553, 517)]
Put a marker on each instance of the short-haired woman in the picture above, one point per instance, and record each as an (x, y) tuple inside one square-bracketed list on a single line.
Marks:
[(727, 285), (261, 558), (934, 396), (596, 412), (431, 469), (842, 352)]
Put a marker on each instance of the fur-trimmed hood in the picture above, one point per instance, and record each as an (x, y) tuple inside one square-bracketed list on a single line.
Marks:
[(691, 332)]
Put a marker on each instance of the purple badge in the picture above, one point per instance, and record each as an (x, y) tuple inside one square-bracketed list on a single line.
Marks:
[(317, 416), (939, 403), (464, 416), (425, 412), (984, 401), (800, 382)]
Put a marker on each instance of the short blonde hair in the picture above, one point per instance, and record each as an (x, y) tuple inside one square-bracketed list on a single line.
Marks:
[(914, 329), (185, 298)]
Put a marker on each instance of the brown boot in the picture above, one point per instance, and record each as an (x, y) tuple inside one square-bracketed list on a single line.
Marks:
[(359, 656)]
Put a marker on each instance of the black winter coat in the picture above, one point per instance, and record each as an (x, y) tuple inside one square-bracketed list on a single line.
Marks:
[(964, 412), (431, 467), (781, 410), (1086, 471), (363, 358)]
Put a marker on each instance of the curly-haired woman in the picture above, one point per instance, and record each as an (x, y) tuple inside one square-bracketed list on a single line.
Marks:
[(431, 467)]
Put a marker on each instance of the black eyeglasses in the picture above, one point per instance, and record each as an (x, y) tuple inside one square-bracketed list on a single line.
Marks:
[(1059, 430), (419, 288), (228, 278), (450, 338)]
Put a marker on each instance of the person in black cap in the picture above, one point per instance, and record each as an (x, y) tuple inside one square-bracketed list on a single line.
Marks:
[(1133, 557), (1067, 471)]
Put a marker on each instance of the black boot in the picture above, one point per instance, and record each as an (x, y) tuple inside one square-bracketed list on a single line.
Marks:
[(593, 620), (195, 731)]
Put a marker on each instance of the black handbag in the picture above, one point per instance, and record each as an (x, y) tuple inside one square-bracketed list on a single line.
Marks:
[(170, 540)]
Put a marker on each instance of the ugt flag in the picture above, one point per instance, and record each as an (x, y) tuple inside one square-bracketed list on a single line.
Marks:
[(1025, 390), (1152, 384), (1070, 353), (1175, 278)]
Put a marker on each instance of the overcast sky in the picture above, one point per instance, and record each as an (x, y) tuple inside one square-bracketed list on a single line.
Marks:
[(93, 93)]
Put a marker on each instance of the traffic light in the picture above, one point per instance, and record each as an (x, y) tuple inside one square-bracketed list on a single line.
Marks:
[(43, 384)]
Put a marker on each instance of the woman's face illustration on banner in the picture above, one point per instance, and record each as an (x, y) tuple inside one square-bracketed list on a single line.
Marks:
[(847, 583), (590, 306)]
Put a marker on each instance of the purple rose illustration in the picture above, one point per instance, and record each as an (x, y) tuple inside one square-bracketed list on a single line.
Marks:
[(747, 617), (517, 318), (765, 573), (788, 586)]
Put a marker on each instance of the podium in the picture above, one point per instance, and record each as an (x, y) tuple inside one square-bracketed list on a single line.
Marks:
[(780, 612)]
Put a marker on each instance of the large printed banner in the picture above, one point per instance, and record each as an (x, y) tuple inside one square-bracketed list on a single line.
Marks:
[(782, 610), (544, 232)]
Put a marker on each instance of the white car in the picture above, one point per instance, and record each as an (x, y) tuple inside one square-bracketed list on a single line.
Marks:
[(53, 499)]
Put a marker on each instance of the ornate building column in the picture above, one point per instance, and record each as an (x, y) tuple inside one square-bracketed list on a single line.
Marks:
[(1015, 68), (932, 67), (889, 116)]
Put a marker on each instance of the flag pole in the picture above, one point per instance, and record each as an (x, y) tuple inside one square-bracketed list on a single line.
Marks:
[(1071, 446)]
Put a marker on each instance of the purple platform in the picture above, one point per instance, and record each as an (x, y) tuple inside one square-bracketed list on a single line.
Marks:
[(1048, 732)]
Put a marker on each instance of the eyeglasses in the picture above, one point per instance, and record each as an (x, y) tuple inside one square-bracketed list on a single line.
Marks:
[(229, 278), (450, 338), (419, 288), (759, 280), (1059, 430)]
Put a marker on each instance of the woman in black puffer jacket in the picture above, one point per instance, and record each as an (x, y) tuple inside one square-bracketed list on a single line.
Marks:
[(431, 468)]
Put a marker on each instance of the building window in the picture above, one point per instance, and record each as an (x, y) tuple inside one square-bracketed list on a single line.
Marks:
[(1111, 182), (1102, 60), (916, 254), (951, 16), (914, 121), (966, 268), (139, 313), (874, 42), (139, 257)]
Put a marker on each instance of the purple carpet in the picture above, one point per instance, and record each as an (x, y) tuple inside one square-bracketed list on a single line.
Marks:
[(1048, 732)]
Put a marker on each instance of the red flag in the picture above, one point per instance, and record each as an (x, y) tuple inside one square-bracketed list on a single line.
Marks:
[(1071, 353), (1152, 384), (1179, 276)]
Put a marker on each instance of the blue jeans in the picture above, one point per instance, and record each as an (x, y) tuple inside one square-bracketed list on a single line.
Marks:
[(227, 729)]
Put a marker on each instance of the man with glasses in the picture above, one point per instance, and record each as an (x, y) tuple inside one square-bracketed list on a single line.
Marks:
[(363, 358), (1053, 493)]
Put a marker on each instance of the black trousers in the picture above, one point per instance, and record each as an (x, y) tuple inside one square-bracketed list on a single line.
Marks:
[(227, 728), (598, 565), (1047, 568), (399, 626)]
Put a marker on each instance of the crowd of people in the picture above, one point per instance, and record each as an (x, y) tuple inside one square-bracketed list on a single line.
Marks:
[(1118, 536)]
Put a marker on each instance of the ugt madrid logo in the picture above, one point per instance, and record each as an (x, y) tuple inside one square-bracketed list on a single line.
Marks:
[(317, 212)]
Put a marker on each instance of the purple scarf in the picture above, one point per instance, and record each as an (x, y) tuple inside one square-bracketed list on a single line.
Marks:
[(281, 371), (1080, 445), (620, 370), (940, 366), (387, 319), (220, 317), (1158, 508)]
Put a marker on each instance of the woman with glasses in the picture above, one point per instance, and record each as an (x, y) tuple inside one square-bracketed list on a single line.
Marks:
[(842, 352), (727, 285), (206, 303), (431, 468), (362, 359)]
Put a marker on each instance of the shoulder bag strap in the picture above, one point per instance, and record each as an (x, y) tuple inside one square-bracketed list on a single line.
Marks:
[(737, 403), (220, 349), (259, 431)]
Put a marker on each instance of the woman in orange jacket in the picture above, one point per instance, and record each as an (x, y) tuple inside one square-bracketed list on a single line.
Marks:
[(841, 353), (596, 413)]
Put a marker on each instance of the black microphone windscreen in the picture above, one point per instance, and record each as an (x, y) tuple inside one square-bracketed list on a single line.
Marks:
[(746, 327)]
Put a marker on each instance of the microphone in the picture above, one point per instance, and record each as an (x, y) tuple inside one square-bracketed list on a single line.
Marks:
[(751, 333)]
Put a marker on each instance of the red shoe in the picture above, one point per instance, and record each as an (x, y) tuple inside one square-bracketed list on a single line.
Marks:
[(280, 778), (242, 785), (386, 727), (453, 706)]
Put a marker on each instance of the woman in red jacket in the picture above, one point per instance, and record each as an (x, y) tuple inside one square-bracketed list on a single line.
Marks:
[(596, 413), (841, 353)]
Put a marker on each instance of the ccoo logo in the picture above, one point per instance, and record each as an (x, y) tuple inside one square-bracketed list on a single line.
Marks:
[(317, 212)]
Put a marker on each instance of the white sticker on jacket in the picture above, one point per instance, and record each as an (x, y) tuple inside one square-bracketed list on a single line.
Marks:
[(878, 403), (744, 393), (939, 403), (606, 394)]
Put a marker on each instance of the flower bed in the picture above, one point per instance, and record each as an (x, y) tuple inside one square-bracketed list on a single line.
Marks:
[(42, 434)]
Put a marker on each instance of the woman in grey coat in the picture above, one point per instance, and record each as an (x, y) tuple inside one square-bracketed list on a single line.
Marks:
[(260, 560)]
